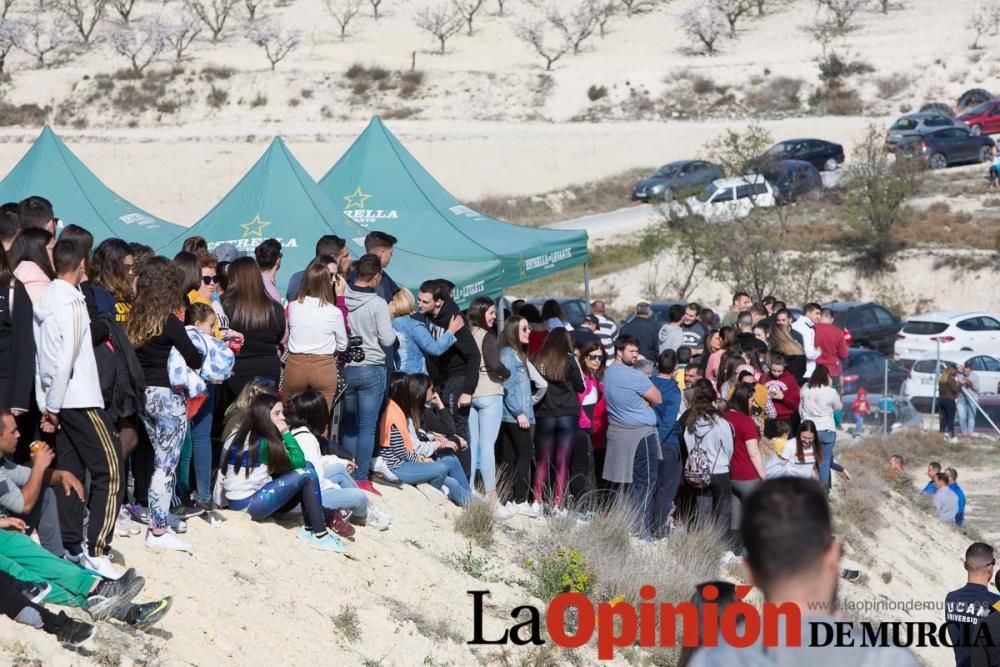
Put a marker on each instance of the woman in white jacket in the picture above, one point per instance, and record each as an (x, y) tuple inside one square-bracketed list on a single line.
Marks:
[(818, 403), (706, 428)]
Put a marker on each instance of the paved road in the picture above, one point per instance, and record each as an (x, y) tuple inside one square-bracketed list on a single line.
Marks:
[(613, 226)]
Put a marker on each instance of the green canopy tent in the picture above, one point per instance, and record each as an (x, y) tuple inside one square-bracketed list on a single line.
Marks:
[(51, 170), (379, 185), (278, 198)]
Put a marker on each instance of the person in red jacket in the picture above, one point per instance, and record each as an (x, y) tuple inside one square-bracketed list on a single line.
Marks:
[(784, 393), (830, 340)]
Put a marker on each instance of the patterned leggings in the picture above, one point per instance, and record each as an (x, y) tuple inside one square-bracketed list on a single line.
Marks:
[(281, 493), (166, 424)]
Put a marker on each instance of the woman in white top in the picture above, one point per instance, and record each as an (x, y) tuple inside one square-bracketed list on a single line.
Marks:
[(818, 403), (316, 333)]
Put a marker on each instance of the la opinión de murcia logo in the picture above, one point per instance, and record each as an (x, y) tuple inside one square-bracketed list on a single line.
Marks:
[(572, 621)]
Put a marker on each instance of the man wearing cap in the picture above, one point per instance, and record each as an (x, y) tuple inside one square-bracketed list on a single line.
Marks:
[(227, 252), (588, 332)]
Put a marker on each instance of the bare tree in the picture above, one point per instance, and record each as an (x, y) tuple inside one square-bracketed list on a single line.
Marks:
[(213, 13), (253, 6), (5, 6), (732, 10), (703, 23), (124, 8), (142, 43), (276, 41), (550, 45), (467, 10), (606, 10), (638, 6), (440, 20), (180, 35), (84, 15), (343, 12), (10, 32), (980, 22), (500, 4), (842, 11), (43, 35), (375, 5), (576, 22)]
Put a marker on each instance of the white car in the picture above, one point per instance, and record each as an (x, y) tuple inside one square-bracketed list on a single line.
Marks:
[(956, 331), (727, 198), (920, 387)]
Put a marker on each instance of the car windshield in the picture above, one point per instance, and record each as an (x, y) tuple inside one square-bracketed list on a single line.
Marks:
[(904, 124), (707, 193), (778, 149), (667, 171), (980, 109)]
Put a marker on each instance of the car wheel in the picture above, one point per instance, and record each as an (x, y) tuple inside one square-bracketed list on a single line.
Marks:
[(939, 107), (830, 165), (985, 153), (938, 161), (976, 130), (972, 97)]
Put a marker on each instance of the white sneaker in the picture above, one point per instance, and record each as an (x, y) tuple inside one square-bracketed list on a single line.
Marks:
[(168, 541), (534, 510), (377, 518), (502, 513), (102, 566), (379, 466), (561, 512)]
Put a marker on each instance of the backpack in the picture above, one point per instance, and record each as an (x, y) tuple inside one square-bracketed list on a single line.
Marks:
[(697, 470), (123, 384)]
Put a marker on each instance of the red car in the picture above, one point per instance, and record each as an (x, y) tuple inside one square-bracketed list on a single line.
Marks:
[(983, 118)]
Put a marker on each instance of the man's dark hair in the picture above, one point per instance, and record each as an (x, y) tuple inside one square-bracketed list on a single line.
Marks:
[(952, 474), (942, 477), (267, 254), (784, 311), (739, 295), (779, 305), (675, 313), (978, 555), (9, 223), (786, 529), (624, 341), (4, 413), (367, 267), (695, 306), (758, 309), (34, 211), (329, 244), (778, 359), (810, 307), (684, 355), (768, 300), (379, 240), (667, 362), (898, 457), (67, 255), (438, 289), (935, 466)]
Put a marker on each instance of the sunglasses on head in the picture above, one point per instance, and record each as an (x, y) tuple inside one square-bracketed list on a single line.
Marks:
[(208, 280)]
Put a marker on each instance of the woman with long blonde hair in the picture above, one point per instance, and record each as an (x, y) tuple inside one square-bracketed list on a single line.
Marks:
[(795, 357), (154, 329)]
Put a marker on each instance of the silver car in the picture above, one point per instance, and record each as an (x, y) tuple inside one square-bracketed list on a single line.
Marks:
[(919, 123)]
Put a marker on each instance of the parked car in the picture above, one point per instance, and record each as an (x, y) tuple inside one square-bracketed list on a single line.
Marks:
[(727, 198), (983, 118), (791, 179), (866, 324), (917, 124), (684, 176), (921, 387), (956, 331), (903, 415), (866, 368), (945, 147), (824, 155), (574, 308)]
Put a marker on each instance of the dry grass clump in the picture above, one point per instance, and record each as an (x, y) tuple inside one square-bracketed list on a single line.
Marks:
[(476, 522), (775, 95)]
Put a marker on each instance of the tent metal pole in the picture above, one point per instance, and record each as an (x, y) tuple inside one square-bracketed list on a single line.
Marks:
[(586, 283), (500, 315)]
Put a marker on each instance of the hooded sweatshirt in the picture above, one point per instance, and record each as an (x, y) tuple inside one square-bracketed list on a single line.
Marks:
[(34, 279), (67, 370), (715, 436), (790, 390), (368, 317), (460, 360)]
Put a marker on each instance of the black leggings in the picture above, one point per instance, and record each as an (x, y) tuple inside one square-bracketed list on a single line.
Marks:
[(947, 416), (517, 451)]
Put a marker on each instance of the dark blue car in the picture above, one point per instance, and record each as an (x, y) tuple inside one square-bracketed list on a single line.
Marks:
[(791, 179), (675, 177)]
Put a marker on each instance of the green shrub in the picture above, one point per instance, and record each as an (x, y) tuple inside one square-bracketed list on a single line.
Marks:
[(563, 571), (595, 93), (259, 101), (217, 98), (294, 102)]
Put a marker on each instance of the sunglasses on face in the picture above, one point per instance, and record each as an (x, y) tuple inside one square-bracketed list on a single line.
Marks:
[(208, 280), (595, 357)]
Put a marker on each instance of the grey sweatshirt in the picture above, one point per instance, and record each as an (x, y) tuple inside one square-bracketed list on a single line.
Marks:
[(368, 317), (715, 436)]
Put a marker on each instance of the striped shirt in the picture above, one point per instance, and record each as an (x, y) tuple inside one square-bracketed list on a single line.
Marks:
[(396, 454)]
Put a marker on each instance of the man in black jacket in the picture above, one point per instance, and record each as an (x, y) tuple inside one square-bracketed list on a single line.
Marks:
[(644, 330), (986, 650), (456, 372)]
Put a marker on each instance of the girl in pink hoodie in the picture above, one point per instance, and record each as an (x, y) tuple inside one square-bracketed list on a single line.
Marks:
[(32, 265)]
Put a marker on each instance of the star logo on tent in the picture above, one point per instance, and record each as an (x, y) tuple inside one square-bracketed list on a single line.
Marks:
[(255, 227), (357, 199)]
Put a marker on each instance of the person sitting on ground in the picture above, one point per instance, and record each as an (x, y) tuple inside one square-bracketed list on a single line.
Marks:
[(264, 472), (945, 500), (436, 420), (897, 463), (17, 605), (793, 557), (953, 485), (73, 586), (407, 454), (966, 607), (237, 411), (308, 420), (933, 468)]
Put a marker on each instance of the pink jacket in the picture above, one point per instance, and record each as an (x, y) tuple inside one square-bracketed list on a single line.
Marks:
[(34, 279), (588, 385)]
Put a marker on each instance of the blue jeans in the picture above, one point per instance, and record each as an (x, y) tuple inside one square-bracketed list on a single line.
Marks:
[(362, 404), (281, 492), (966, 416), (458, 484), (859, 423), (201, 447), (826, 440), (645, 472), (446, 471), (348, 496), (484, 426), (668, 479)]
